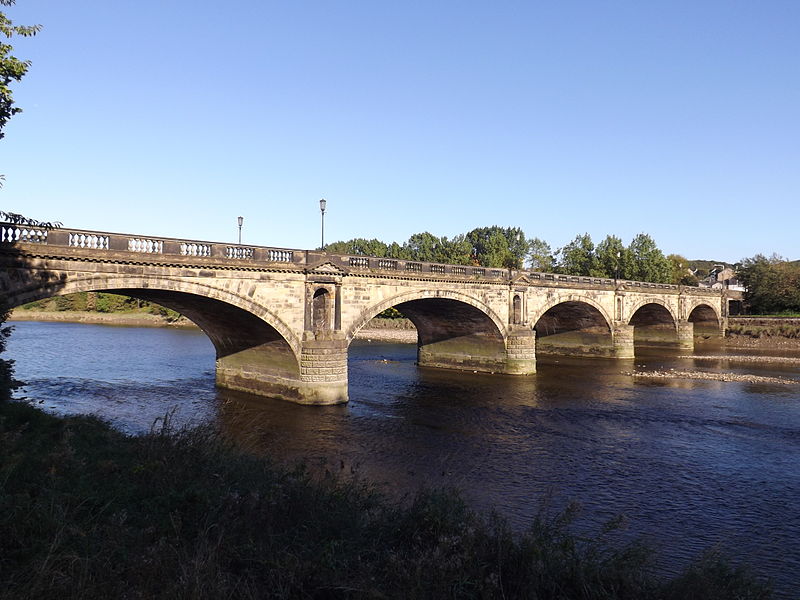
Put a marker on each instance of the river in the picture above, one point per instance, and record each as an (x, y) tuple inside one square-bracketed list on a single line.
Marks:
[(690, 463)]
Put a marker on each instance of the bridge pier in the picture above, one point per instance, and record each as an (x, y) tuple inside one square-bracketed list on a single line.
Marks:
[(685, 331), (323, 369), (521, 352), (322, 376), (622, 336)]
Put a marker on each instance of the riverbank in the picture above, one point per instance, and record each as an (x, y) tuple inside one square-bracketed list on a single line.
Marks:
[(397, 331), (88, 512), (123, 319)]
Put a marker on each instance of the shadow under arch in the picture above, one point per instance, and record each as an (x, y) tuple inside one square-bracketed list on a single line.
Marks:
[(574, 327), (454, 331), (251, 344), (198, 302), (654, 324), (707, 322)]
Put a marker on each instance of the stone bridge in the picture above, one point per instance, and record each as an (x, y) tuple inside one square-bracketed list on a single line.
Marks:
[(282, 320)]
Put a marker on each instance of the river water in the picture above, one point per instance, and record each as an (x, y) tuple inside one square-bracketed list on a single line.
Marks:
[(690, 463)]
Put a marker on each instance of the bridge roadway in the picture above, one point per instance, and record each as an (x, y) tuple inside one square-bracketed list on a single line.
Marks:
[(281, 320)]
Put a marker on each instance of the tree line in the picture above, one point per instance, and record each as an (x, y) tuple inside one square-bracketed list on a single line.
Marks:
[(773, 284), (509, 247)]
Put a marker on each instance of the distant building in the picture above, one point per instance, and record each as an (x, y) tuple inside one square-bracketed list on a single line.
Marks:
[(722, 277)]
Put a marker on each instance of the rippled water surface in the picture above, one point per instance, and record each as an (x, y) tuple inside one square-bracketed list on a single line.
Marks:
[(691, 464)]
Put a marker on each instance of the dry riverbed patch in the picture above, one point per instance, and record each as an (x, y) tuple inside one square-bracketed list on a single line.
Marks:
[(746, 358), (709, 376)]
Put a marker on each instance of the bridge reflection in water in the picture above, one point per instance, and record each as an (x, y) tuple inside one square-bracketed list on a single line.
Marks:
[(281, 320)]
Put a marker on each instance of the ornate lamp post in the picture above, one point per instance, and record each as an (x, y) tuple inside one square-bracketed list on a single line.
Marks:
[(322, 204), (241, 220)]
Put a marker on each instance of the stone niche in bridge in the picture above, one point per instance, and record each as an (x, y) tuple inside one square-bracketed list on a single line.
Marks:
[(281, 320)]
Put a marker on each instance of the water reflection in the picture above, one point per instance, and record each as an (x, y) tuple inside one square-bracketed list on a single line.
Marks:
[(692, 463)]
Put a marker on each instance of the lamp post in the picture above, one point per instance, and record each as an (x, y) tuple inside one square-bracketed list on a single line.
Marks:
[(241, 220), (616, 265), (322, 204)]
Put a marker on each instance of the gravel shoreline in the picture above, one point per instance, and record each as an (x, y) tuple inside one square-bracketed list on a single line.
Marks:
[(704, 375)]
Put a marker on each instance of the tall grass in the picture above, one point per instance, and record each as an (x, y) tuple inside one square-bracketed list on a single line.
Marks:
[(87, 512)]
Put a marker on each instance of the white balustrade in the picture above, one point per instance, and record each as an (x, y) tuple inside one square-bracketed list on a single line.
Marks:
[(195, 249), (281, 255), (88, 240), (412, 266), (438, 269), (12, 233), (360, 262), (240, 252), (459, 270), (385, 263), (145, 245)]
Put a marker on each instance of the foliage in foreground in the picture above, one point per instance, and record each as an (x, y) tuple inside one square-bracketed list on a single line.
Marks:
[(87, 512)]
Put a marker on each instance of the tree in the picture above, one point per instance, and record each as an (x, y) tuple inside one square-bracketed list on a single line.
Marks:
[(456, 251), (540, 256), (11, 68), (680, 272), (577, 257), (359, 246), (645, 262), (773, 284), (498, 246), (609, 257), (424, 247)]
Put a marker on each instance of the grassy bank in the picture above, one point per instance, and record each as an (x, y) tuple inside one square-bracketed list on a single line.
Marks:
[(87, 512), (765, 327)]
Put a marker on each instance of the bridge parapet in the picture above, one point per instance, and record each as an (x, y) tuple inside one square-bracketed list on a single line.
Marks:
[(147, 245), (252, 256)]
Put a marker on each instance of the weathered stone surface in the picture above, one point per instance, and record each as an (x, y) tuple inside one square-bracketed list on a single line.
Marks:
[(282, 320)]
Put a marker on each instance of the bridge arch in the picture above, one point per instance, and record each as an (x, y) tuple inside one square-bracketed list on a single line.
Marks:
[(148, 288), (654, 323), (573, 324), (705, 318), (368, 314), (454, 330), (575, 299), (636, 307)]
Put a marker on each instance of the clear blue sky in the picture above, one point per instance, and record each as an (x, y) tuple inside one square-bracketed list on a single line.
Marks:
[(172, 118)]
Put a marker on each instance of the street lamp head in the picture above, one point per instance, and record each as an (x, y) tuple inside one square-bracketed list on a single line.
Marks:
[(322, 204), (241, 220)]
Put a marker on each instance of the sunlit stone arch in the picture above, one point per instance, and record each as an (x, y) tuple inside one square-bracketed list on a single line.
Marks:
[(632, 309), (701, 303), (368, 314), (95, 283), (563, 298)]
